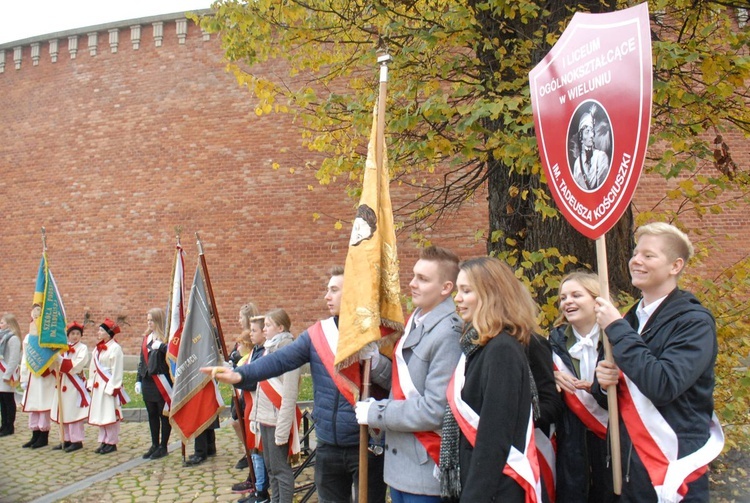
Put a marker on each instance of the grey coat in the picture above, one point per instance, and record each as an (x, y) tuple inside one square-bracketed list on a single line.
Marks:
[(431, 352)]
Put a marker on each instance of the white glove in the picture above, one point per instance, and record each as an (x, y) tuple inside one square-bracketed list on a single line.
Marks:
[(24, 384), (361, 409), (370, 352), (255, 427), (155, 344), (137, 388)]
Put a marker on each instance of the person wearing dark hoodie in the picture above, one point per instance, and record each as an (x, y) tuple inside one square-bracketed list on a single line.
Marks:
[(664, 354)]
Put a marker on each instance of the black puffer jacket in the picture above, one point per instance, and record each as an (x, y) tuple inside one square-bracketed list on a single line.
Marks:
[(672, 363)]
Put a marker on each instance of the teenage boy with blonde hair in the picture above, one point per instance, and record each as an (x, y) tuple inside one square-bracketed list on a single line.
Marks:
[(666, 348)]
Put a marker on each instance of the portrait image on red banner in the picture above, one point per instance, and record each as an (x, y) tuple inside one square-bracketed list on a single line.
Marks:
[(591, 98), (590, 145)]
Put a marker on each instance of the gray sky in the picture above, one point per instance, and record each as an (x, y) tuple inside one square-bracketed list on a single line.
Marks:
[(21, 19)]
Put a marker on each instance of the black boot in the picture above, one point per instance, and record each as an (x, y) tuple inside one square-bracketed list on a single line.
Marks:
[(34, 438), (42, 441), (74, 446)]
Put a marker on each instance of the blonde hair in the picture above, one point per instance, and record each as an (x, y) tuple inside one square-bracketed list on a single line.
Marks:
[(12, 322), (158, 317), (281, 318), (245, 338), (678, 244), (504, 304), (247, 312), (588, 281)]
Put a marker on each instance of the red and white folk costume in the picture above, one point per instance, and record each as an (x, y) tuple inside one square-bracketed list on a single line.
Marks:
[(105, 383), (75, 397), (38, 394)]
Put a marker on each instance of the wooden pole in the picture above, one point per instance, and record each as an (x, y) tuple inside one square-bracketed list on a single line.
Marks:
[(222, 344), (364, 435), (60, 407), (614, 422), (168, 328)]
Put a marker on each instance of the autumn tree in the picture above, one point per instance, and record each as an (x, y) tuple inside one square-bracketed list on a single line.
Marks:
[(459, 108)]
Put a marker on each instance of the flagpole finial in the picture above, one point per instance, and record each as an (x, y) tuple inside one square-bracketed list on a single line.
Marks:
[(384, 57), (178, 232), (44, 239), (199, 243)]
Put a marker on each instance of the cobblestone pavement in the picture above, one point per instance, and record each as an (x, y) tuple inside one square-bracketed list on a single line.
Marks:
[(43, 475), (47, 476)]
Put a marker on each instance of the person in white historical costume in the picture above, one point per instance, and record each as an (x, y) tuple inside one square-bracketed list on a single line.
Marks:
[(70, 405), (38, 391), (105, 383)]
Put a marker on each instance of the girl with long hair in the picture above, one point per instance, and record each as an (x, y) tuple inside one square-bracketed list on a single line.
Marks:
[(487, 452)]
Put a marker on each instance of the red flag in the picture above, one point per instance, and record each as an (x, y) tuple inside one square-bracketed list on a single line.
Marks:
[(196, 401), (175, 310)]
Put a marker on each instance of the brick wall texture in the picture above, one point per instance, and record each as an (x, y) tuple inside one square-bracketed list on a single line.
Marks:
[(110, 152)]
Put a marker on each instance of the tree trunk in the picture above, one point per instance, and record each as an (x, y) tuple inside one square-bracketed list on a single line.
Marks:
[(517, 220), (516, 217)]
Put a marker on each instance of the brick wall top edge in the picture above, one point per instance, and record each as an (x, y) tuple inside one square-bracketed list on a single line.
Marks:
[(99, 28)]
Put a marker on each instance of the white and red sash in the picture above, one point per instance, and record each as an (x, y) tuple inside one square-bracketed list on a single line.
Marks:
[(323, 335), (657, 444), (523, 467), (105, 374), (15, 377), (76, 381), (160, 380), (546, 452), (251, 439), (583, 404), (403, 388), (273, 388)]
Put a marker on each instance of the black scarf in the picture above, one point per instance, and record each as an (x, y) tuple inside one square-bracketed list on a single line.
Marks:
[(450, 473), (450, 470)]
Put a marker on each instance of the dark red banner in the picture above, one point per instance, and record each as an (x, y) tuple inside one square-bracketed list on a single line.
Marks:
[(591, 97)]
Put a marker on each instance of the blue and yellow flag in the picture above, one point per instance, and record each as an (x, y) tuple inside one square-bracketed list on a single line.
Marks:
[(51, 322)]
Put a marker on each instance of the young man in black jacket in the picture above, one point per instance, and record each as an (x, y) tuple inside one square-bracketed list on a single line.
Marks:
[(666, 348)]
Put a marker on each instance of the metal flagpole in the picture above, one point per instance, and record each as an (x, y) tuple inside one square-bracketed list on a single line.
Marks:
[(59, 374)]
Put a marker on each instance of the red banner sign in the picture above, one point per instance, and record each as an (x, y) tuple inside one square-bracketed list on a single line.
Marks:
[(591, 97)]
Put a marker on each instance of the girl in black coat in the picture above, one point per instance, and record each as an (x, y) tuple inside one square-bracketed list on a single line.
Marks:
[(155, 383), (488, 428)]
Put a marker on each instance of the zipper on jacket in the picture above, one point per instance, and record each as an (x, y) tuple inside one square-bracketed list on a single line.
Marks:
[(335, 414)]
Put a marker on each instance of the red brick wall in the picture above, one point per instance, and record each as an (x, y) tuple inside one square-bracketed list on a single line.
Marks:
[(111, 152)]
